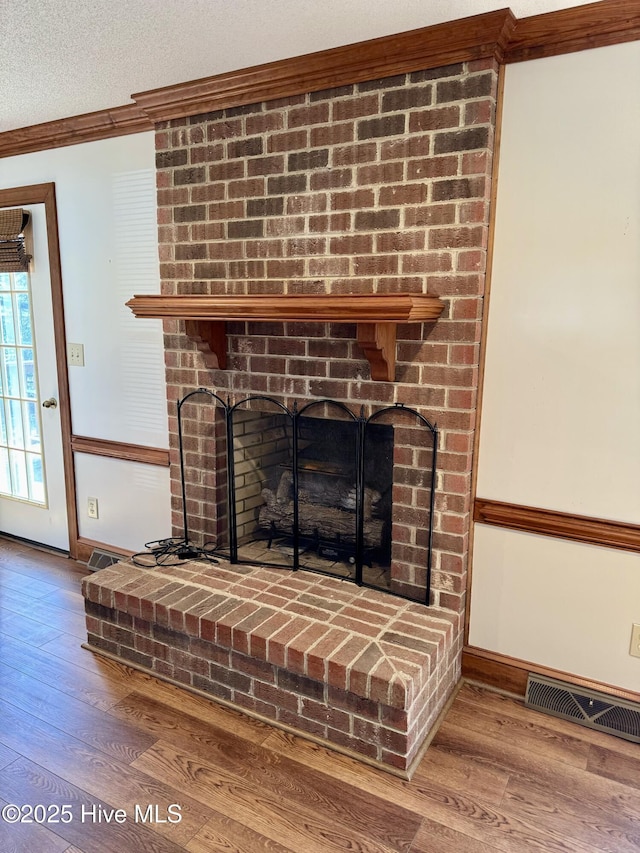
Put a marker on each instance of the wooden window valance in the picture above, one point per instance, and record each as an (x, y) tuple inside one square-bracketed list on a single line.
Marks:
[(13, 255)]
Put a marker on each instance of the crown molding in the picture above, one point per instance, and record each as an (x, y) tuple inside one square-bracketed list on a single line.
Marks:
[(497, 35), (477, 37), (570, 30), (103, 124)]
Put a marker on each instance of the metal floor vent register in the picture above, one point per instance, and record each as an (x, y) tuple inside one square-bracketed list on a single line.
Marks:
[(594, 710), (100, 559)]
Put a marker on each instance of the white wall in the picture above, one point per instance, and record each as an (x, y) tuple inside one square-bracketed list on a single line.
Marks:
[(105, 194), (561, 604), (561, 411), (133, 501)]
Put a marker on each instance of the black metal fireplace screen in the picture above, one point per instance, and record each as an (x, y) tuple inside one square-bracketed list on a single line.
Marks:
[(320, 488)]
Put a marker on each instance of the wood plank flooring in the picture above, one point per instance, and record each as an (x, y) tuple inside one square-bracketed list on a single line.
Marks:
[(92, 736)]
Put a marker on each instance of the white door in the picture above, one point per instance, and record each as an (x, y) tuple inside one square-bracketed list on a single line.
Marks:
[(32, 486)]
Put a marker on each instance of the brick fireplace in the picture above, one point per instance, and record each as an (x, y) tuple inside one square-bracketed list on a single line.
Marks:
[(376, 188), (382, 187)]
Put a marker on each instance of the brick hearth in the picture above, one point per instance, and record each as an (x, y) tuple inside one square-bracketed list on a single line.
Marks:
[(361, 671)]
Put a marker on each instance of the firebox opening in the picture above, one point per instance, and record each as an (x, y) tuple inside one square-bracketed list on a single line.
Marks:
[(318, 488), (318, 497)]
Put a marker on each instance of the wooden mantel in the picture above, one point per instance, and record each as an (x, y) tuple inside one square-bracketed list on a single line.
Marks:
[(376, 317)]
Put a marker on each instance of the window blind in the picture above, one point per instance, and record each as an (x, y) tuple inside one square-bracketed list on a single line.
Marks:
[(13, 255)]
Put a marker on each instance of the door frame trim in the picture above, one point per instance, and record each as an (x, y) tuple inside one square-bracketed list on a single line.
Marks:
[(46, 194)]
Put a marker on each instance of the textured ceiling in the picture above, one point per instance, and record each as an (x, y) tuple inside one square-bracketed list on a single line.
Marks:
[(69, 57)]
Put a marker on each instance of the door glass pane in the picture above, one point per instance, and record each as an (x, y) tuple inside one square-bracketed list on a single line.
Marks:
[(21, 462), (18, 474), (10, 361), (7, 332), (35, 477), (32, 426), (21, 281), (16, 437), (28, 374), (23, 311)]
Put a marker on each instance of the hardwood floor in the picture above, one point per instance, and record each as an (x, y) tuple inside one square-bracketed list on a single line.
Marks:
[(82, 737)]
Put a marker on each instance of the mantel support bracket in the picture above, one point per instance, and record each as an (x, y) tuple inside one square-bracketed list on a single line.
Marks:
[(210, 337), (378, 342), (375, 316)]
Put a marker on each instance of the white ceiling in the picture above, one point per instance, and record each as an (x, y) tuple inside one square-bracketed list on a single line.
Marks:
[(68, 57)]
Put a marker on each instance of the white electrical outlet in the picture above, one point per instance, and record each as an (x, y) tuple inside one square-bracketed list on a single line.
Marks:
[(75, 355), (634, 648), (92, 507)]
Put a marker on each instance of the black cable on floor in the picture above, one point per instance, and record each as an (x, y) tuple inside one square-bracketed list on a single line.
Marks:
[(173, 551)]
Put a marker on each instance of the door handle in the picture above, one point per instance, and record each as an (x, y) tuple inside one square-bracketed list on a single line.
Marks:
[(51, 403)]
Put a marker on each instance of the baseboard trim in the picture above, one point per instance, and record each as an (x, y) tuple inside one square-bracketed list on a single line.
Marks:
[(510, 674), (86, 546)]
